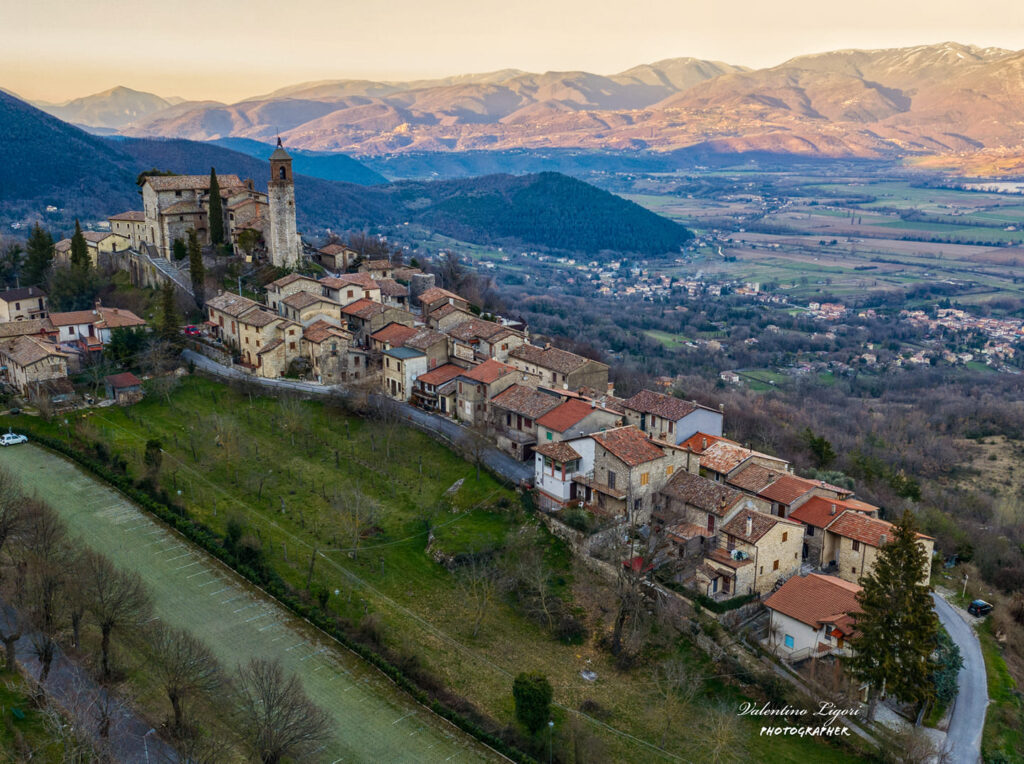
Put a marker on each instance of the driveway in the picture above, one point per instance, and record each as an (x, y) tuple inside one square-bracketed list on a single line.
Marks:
[(445, 429), (968, 718)]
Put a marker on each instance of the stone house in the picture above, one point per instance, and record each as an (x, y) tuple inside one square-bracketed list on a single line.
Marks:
[(22, 304), (573, 418), (401, 367), (514, 414), (391, 336), (812, 616), (433, 343), (223, 312), (427, 392), (771, 545), (377, 269), (365, 316), (477, 386), (815, 514), (559, 369), (671, 419), (445, 317), (784, 492), (29, 361), (853, 540), (433, 298), (326, 346), (335, 257), (286, 286), (471, 340), (691, 508), (724, 458), (307, 308), (394, 294), (124, 388), (131, 225), (96, 242), (350, 287)]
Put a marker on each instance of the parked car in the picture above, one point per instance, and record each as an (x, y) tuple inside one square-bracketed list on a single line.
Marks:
[(979, 608), (12, 439), (192, 331)]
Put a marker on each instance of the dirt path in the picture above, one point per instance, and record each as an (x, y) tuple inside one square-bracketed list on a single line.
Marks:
[(373, 720)]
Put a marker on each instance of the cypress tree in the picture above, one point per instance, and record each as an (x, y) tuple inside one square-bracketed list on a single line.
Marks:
[(39, 258), (196, 268), (897, 627), (179, 249), (170, 322), (216, 211), (79, 250)]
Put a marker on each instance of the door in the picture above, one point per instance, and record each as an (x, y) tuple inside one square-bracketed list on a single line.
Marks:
[(711, 523), (725, 586)]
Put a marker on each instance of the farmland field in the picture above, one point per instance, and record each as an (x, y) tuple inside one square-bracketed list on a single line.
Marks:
[(372, 719)]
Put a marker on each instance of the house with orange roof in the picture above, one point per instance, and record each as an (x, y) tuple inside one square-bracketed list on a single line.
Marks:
[(436, 390), (755, 551), (815, 514), (575, 417), (335, 257), (514, 414), (393, 335), (364, 317), (811, 616), (853, 540), (478, 385), (724, 458), (349, 287), (433, 298)]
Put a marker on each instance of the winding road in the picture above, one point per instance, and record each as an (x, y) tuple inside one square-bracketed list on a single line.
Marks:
[(968, 719)]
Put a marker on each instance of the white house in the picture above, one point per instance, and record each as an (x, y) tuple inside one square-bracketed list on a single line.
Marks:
[(555, 466), (812, 615)]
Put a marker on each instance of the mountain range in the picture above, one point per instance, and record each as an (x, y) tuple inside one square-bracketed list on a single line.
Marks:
[(929, 99), (48, 162)]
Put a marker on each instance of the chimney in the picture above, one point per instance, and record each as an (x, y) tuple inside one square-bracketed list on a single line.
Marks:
[(703, 443), (882, 538), (750, 525), (721, 407), (547, 346), (593, 403), (611, 388), (833, 510), (96, 308)]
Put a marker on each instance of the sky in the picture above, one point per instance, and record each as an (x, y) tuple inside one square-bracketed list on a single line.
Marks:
[(227, 50)]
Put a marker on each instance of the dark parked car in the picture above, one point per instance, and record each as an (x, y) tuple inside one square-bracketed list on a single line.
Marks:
[(979, 608)]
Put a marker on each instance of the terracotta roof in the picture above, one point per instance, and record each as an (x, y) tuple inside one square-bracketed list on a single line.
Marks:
[(291, 278), (859, 527), (445, 310), (112, 318), (787, 489), (696, 442), (440, 375), (664, 406), (554, 359), (184, 207), (378, 265), (761, 523), (860, 506), (122, 380), (258, 317), (724, 456), (318, 331), (272, 345), (190, 182), (25, 326), (425, 338), (754, 478), (26, 350), (24, 293), (723, 557), (687, 531), (434, 294), (394, 334), (816, 600), (135, 216), (819, 511), (364, 308), (526, 401), (489, 371), (702, 493), (406, 272), (355, 279), (334, 249), (474, 328), (231, 304), (560, 451), (629, 445), (569, 413), (392, 288)]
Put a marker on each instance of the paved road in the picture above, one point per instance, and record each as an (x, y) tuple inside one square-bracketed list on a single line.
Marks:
[(968, 719), (72, 688), (449, 431)]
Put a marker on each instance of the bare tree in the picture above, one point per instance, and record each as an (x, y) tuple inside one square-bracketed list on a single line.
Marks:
[(276, 717), (116, 599), (357, 513), (478, 582), (676, 687), (721, 735), (12, 507), (478, 444), (528, 574), (185, 667)]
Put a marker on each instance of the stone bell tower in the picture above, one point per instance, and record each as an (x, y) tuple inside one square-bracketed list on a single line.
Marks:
[(284, 244)]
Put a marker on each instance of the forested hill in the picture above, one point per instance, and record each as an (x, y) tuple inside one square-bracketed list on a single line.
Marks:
[(550, 208), (49, 162)]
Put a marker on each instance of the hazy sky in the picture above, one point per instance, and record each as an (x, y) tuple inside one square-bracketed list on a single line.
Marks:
[(227, 50)]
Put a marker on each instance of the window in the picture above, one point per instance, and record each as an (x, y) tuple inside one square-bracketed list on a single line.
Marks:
[(670, 426), (761, 571), (775, 565), (785, 535), (645, 478), (611, 479), (670, 469), (856, 546), (789, 641), (853, 570), (291, 346), (549, 436), (810, 530)]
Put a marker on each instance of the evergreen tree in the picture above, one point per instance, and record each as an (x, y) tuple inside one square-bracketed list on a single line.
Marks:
[(10, 264), (532, 695), (179, 249), (897, 627), (196, 268), (39, 258), (216, 211), (170, 322), (79, 250)]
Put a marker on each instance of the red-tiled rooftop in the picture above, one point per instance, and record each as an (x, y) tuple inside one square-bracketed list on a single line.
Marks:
[(699, 441), (816, 600), (441, 374), (664, 406), (787, 489), (394, 334), (560, 451), (364, 308), (859, 527), (122, 380), (819, 511), (566, 415), (760, 524), (629, 445), (489, 371), (754, 478)]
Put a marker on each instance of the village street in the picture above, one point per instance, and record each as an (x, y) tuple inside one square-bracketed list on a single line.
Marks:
[(968, 718)]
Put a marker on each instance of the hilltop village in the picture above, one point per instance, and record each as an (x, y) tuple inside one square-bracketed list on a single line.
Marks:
[(721, 520)]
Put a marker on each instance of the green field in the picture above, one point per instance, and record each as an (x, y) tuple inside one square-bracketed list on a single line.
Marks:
[(671, 341), (373, 720), (1003, 734)]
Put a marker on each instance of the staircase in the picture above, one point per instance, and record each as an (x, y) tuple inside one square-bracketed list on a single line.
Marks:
[(179, 277)]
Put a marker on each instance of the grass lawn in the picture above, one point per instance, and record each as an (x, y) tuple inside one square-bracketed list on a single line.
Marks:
[(1003, 739), (669, 340), (285, 467), (25, 738), (761, 380)]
